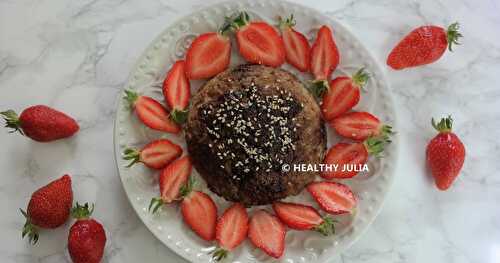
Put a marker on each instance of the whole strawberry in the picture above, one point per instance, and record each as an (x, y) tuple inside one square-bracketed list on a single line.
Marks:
[(86, 239), (445, 154), (49, 207), (422, 46), (41, 123)]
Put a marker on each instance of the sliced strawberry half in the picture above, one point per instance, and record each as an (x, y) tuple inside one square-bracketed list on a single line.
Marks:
[(325, 55), (297, 47), (231, 230), (343, 94), (342, 154), (177, 90), (267, 233), (208, 55), (353, 154), (359, 126), (157, 154), (172, 179), (258, 42), (200, 213), (333, 198), (151, 112), (303, 217)]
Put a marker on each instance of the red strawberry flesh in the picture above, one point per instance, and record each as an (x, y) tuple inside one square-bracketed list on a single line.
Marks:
[(296, 216), (208, 55), (340, 98), (297, 49), (154, 115), (232, 227), (160, 153), (200, 214), (173, 177), (176, 87), (344, 154), (325, 56), (267, 233), (259, 43), (357, 125), (333, 198)]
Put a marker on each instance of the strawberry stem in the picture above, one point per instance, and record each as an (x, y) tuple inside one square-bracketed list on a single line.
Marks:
[(12, 121), (452, 35), (82, 211), (234, 22), (327, 227), (155, 204), (318, 88), (131, 154), (29, 229), (386, 131), (179, 116), (360, 77), (184, 191), (219, 254), (187, 188), (286, 23), (444, 125), (131, 97), (375, 145)]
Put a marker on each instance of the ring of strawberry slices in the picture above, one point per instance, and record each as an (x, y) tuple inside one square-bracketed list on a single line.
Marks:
[(259, 43)]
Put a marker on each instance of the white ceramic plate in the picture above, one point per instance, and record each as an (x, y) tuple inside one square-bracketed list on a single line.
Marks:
[(140, 183)]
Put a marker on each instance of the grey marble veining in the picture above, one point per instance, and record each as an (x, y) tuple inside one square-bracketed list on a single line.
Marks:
[(76, 56)]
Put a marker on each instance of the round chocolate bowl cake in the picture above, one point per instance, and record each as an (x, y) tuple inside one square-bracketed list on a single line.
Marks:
[(245, 124)]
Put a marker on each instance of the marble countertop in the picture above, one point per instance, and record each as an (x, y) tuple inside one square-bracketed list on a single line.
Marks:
[(76, 56)]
